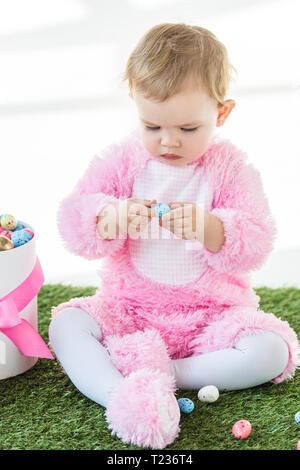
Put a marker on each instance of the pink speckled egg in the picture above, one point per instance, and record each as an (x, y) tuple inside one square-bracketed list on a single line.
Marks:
[(298, 445), (241, 429), (6, 233)]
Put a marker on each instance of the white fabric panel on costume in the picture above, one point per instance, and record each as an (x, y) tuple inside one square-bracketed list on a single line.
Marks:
[(158, 253)]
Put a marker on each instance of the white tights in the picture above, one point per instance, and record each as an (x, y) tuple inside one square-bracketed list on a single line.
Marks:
[(76, 340)]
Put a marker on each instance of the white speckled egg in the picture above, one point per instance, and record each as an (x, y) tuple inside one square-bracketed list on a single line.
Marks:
[(208, 394)]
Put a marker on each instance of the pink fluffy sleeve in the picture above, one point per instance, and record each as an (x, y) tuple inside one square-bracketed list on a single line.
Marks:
[(104, 182), (241, 204)]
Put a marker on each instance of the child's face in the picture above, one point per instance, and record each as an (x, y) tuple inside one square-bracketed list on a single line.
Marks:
[(173, 120)]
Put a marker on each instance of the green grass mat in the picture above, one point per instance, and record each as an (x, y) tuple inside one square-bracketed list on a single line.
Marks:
[(41, 409)]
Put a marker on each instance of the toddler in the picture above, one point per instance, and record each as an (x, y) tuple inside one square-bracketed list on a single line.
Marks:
[(175, 307)]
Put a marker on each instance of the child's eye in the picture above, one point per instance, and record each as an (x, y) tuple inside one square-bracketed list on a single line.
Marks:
[(189, 130), (183, 129)]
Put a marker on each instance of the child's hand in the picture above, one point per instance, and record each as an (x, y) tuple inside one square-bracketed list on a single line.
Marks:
[(126, 216), (139, 214), (185, 220)]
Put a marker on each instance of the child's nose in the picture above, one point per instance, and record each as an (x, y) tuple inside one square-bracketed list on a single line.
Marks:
[(169, 142)]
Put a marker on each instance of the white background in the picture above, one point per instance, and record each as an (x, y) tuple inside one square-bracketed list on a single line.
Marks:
[(62, 101)]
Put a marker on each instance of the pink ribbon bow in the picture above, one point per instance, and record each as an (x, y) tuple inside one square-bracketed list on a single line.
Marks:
[(17, 329)]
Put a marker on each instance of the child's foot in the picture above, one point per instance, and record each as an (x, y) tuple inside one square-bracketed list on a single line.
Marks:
[(142, 409)]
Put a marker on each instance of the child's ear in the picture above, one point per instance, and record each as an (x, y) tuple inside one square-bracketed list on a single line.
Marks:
[(224, 111)]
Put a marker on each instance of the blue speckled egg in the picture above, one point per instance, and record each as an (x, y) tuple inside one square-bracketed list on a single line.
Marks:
[(20, 237), (20, 226), (161, 208), (297, 417), (186, 405)]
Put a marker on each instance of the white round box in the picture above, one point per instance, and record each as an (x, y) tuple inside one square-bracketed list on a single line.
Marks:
[(15, 266)]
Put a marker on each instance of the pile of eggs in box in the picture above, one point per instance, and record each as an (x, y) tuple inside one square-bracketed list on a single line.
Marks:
[(13, 233)]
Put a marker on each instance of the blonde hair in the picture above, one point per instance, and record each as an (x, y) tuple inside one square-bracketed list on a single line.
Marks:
[(171, 52)]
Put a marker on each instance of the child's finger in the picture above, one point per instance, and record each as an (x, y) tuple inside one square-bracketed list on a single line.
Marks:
[(176, 213), (138, 209), (144, 202), (152, 202), (179, 203), (153, 213), (138, 224), (135, 221)]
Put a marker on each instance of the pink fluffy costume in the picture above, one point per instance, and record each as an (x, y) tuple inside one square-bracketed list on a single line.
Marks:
[(169, 298)]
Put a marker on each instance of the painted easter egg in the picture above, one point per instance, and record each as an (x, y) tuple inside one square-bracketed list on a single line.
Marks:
[(297, 417), (6, 233), (8, 221), (5, 243), (161, 208), (241, 429), (20, 226), (208, 394), (20, 237), (29, 231), (186, 405)]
